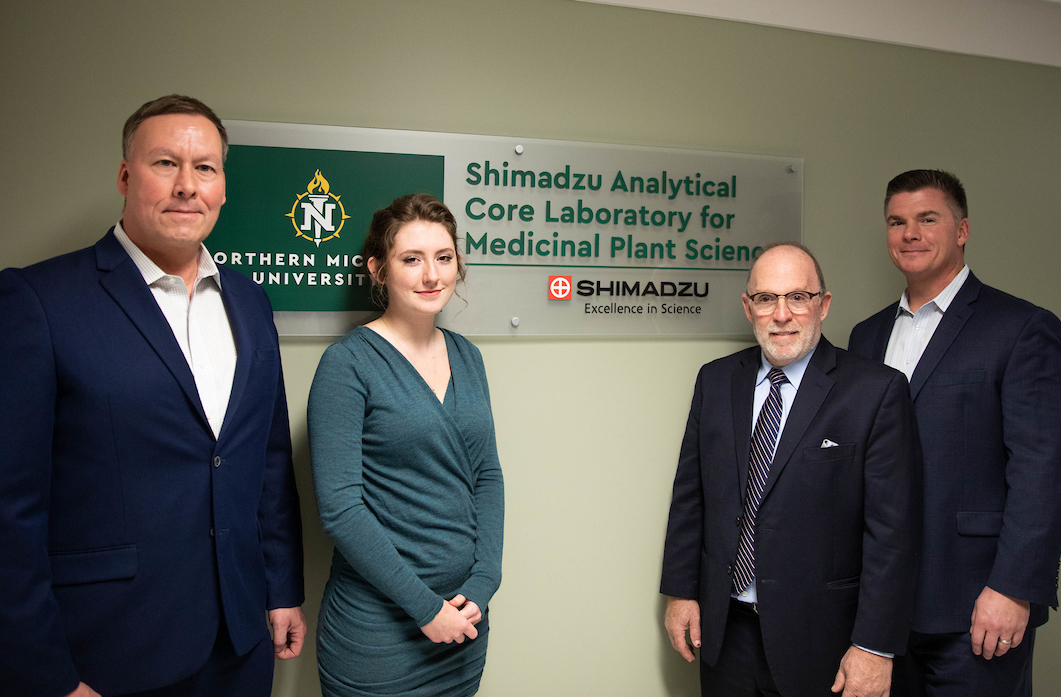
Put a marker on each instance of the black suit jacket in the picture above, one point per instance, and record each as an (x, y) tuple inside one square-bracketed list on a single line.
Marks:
[(987, 393), (127, 530), (838, 528)]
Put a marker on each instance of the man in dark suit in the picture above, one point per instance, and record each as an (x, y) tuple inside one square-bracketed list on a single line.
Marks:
[(794, 557), (985, 376), (148, 515)]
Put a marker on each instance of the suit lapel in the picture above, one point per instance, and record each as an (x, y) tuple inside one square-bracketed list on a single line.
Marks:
[(884, 332), (743, 390), (241, 334), (122, 280), (950, 326), (813, 390)]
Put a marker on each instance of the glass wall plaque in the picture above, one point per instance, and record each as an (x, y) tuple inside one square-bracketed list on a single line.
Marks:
[(560, 238)]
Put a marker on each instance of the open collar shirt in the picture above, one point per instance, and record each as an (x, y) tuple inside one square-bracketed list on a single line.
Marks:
[(199, 322), (913, 330)]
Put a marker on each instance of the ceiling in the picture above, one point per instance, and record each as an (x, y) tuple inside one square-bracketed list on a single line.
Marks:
[(1019, 30)]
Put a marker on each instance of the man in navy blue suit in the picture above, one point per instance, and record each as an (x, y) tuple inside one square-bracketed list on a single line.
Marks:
[(985, 376), (791, 550), (149, 522)]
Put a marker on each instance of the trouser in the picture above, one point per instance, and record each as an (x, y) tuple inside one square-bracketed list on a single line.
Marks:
[(944, 665), (741, 669), (225, 674)]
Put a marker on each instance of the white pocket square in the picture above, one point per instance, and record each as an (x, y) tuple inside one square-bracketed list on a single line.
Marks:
[(829, 444)]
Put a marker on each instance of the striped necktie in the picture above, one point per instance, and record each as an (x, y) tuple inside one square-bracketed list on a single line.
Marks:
[(764, 441)]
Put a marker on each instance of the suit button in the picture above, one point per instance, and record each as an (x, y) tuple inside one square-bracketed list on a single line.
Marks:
[(211, 532), (738, 521), (729, 569), (217, 461)]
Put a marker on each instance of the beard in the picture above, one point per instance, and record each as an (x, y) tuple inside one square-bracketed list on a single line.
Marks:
[(781, 352)]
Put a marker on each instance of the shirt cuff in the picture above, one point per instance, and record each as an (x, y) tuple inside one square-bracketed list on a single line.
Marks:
[(875, 653)]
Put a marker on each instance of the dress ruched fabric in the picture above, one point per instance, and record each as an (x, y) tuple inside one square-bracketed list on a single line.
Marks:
[(410, 491)]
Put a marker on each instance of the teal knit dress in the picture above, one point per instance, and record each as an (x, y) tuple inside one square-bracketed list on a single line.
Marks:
[(410, 491)]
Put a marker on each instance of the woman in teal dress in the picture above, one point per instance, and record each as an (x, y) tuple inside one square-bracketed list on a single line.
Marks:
[(407, 477)]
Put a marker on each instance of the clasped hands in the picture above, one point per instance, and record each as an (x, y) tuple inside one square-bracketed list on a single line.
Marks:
[(454, 622)]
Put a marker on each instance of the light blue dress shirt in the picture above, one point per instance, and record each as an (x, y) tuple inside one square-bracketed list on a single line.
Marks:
[(794, 372)]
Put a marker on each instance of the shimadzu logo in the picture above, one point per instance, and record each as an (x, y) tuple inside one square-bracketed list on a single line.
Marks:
[(313, 214)]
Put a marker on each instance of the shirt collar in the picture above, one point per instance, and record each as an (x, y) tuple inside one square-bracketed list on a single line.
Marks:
[(793, 371), (150, 270), (941, 301)]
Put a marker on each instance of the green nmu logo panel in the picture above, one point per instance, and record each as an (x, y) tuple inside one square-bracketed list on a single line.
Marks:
[(295, 219)]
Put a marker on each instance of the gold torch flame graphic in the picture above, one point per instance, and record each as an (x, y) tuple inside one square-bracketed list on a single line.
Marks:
[(319, 183)]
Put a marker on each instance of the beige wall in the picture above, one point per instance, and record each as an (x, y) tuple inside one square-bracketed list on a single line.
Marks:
[(588, 429)]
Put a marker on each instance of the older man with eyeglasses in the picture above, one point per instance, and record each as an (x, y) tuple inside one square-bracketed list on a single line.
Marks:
[(792, 546)]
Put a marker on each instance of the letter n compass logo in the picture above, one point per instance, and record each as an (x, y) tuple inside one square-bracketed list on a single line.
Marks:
[(314, 213)]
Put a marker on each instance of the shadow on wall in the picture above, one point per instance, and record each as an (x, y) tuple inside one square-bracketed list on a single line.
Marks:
[(298, 677)]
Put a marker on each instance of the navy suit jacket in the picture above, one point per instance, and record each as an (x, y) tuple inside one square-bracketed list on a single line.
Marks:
[(987, 393), (127, 531), (838, 528)]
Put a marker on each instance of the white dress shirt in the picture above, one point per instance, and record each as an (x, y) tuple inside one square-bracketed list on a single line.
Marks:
[(199, 323), (913, 330)]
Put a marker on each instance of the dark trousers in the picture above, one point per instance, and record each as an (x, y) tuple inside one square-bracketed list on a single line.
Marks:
[(741, 669), (225, 674), (944, 665)]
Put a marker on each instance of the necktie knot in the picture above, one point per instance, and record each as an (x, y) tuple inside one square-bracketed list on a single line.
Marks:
[(777, 377)]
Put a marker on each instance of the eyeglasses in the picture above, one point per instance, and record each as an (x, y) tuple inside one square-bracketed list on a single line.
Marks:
[(796, 301)]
